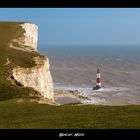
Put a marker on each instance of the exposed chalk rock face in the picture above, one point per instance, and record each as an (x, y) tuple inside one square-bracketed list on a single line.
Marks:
[(31, 35), (28, 40), (39, 76)]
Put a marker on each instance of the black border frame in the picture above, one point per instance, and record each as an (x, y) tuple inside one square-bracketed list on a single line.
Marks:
[(54, 133), (70, 4)]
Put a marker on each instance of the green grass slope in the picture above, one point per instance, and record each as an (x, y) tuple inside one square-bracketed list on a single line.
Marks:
[(33, 115)]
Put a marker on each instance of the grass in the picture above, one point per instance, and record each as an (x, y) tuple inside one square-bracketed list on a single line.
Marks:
[(9, 31), (33, 115)]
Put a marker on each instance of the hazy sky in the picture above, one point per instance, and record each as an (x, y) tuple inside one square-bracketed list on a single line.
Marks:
[(80, 26)]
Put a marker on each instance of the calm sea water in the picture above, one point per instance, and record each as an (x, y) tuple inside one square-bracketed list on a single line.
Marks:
[(78, 64), (90, 51)]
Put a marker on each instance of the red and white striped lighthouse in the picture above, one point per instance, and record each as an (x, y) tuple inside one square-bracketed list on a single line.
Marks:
[(98, 80)]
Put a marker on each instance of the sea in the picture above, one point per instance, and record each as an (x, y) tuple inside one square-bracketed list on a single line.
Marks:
[(74, 68)]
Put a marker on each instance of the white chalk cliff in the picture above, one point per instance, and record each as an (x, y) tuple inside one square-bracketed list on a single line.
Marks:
[(28, 40), (30, 35), (39, 76)]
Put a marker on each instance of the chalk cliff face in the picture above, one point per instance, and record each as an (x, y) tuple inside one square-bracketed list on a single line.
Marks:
[(28, 40), (30, 36), (39, 76)]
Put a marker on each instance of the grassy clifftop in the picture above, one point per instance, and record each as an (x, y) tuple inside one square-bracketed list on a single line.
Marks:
[(8, 32), (32, 115)]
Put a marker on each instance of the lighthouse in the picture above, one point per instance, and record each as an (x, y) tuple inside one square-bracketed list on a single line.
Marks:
[(98, 80)]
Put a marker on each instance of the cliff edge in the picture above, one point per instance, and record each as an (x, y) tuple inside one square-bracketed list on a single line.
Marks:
[(39, 76), (27, 66)]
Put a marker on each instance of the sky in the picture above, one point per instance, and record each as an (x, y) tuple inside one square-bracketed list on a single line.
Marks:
[(80, 26)]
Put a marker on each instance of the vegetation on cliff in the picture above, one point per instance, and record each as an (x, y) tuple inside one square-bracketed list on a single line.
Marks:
[(8, 32)]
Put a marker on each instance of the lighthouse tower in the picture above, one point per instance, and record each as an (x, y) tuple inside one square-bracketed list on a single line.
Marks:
[(98, 80)]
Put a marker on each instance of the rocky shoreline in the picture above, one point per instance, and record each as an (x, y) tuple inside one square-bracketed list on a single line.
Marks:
[(63, 96), (108, 95)]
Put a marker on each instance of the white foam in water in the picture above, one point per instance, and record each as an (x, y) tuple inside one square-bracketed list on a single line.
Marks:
[(100, 96), (94, 101)]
